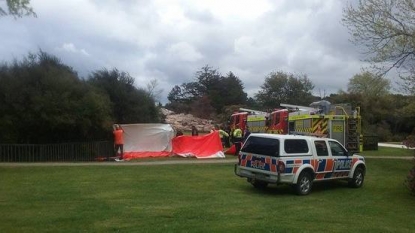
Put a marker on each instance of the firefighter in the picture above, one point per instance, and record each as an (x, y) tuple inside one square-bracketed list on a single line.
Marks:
[(227, 138), (237, 139), (223, 135)]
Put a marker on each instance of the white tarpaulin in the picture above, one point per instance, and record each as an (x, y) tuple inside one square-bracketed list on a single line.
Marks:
[(147, 140)]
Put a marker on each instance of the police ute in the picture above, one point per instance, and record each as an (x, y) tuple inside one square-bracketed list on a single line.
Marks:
[(297, 160)]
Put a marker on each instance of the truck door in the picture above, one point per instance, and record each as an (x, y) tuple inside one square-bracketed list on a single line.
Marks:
[(342, 162), (337, 130), (323, 165)]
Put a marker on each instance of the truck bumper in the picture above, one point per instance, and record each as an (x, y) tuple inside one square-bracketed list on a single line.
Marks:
[(253, 175)]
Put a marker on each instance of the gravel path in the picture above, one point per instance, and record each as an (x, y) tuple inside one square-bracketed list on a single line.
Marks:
[(124, 163)]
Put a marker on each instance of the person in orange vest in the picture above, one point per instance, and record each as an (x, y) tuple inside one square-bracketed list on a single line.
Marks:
[(118, 142)]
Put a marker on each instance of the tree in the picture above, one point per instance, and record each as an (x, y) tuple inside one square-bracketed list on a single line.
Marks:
[(18, 8), (44, 101), (178, 101), (153, 91), (282, 87), (386, 29), (209, 87), (373, 94), (208, 79), (234, 89), (129, 104), (368, 85)]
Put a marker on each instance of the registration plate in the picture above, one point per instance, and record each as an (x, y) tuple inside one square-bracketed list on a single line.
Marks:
[(259, 176)]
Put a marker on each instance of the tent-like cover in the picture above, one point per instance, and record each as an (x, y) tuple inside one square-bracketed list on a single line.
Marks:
[(147, 140), (206, 146), (157, 140)]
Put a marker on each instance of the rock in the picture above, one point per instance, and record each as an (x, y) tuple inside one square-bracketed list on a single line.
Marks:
[(184, 122)]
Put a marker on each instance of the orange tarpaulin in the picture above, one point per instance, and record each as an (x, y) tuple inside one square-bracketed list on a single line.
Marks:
[(231, 150), (206, 146), (145, 154)]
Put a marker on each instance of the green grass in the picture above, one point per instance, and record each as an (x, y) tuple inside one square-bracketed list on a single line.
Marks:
[(197, 198), (389, 151)]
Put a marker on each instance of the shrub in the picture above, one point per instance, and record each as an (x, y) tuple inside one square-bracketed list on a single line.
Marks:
[(410, 178)]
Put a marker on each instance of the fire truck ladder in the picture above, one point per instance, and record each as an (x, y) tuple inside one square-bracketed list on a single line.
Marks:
[(352, 143), (252, 111)]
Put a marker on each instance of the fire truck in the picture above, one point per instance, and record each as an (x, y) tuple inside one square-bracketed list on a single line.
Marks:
[(321, 119)]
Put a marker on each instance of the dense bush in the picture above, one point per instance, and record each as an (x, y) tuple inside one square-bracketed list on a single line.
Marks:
[(410, 178), (43, 100)]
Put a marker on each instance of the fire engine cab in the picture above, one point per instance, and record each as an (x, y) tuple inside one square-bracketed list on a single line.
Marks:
[(320, 119)]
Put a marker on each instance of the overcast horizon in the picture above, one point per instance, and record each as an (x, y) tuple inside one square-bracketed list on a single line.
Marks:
[(171, 40)]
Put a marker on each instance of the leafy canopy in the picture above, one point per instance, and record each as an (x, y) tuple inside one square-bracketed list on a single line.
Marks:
[(280, 87)]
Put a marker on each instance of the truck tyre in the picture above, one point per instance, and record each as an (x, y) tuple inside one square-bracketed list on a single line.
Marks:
[(259, 184), (304, 184), (358, 178)]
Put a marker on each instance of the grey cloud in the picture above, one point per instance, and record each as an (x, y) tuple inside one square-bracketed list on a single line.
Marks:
[(146, 40)]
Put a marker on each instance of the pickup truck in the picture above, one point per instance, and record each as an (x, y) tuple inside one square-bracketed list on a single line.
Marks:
[(297, 160)]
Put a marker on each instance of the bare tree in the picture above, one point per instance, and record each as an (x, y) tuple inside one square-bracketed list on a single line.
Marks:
[(18, 8), (386, 29), (153, 91)]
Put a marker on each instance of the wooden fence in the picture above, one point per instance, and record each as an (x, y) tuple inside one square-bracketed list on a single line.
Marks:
[(64, 152)]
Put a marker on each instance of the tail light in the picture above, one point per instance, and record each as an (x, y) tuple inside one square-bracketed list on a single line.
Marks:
[(281, 167)]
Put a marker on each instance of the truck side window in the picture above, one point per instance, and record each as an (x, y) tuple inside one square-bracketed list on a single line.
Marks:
[(337, 149), (262, 146), (293, 146), (321, 148)]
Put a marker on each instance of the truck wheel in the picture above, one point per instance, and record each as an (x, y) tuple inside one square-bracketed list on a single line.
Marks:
[(259, 184), (304, 184), (358, 178)]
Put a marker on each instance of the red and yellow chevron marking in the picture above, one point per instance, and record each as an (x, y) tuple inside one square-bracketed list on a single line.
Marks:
[(322, 123)]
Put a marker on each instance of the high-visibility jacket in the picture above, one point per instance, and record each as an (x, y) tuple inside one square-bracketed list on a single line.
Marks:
[(237, 133), (223, 133), (118, 137)]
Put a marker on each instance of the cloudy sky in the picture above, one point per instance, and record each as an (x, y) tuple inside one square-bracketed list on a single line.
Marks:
[(170, 40)]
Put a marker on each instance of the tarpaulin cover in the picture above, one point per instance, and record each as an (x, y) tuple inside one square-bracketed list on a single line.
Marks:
[(157, 140), (206, 146), (147, 140), (231, 150)]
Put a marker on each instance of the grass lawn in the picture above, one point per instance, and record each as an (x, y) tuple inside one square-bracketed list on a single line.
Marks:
[(389, 151), (197, 198)]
